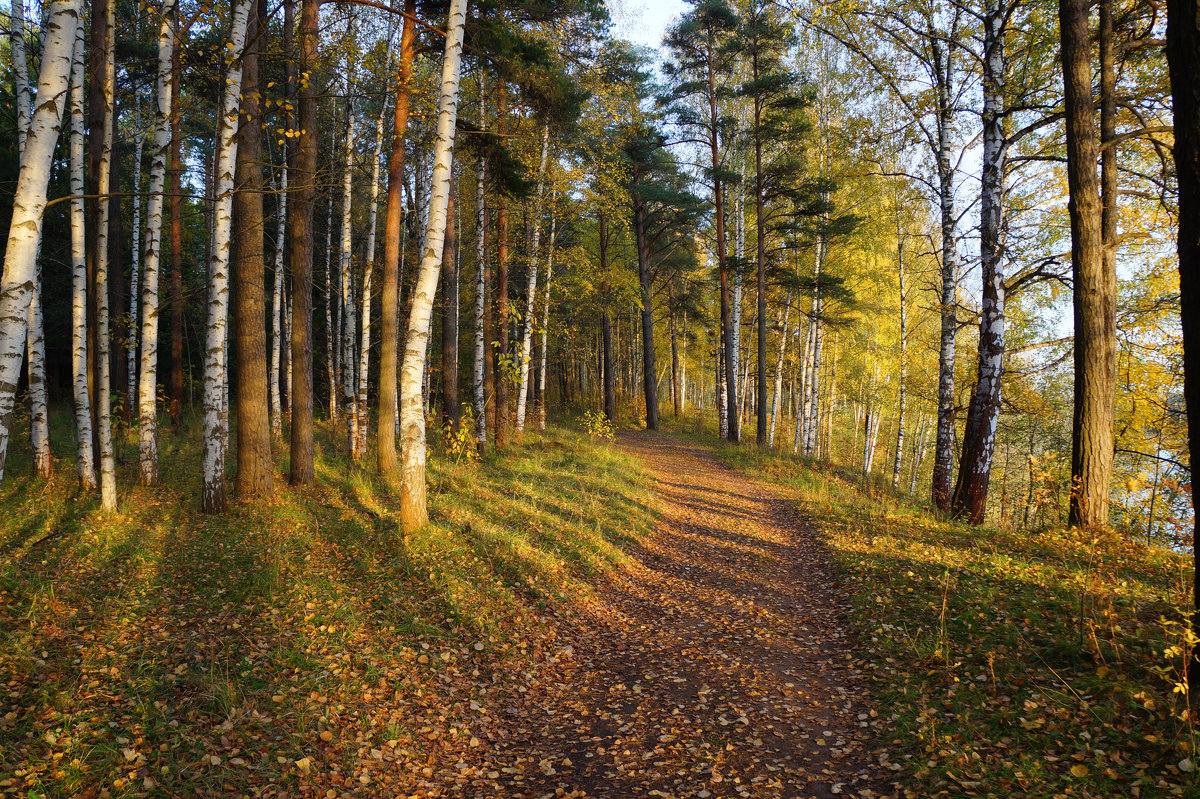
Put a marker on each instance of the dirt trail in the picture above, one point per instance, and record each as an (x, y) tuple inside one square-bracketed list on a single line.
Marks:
[(716, 665)]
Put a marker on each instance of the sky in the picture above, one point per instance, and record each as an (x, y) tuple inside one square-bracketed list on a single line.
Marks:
[(644, 21)]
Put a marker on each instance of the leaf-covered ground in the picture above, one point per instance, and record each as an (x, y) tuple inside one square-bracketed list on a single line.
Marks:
[(1014, 663), (298, 647)]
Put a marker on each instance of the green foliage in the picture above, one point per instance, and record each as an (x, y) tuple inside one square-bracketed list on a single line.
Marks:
[(597, 426)]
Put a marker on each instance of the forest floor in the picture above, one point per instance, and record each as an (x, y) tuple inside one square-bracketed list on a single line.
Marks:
[(717, 663), (667, 616)]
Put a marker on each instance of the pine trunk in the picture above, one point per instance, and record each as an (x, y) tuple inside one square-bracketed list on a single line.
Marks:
[(300, 245), (254, 469), (393, 235), (1094, 291)]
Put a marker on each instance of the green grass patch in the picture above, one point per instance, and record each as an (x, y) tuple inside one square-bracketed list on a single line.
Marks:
[(1033, 663), (160, 652)]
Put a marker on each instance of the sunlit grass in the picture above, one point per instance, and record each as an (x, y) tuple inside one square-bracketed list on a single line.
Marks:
[(1008, 662), (127, 640)]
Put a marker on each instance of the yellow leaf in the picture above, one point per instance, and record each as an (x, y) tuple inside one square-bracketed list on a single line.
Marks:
[(1079, 770)]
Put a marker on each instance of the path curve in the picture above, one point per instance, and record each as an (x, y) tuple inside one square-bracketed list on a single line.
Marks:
[(716, 665)]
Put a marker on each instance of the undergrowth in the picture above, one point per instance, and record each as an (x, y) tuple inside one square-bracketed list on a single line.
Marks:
[(1034, 663), (292, 642)]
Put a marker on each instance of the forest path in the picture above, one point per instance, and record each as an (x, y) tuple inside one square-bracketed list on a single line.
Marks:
[(717, 664)]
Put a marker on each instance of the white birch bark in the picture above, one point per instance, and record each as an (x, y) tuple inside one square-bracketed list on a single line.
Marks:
[(364, 352), (330, 328), (216, 430), (79, 338), (531, 290), (546, 325), (29, 203), (108, 461), (148, 377), (349, 323), (20, 71), (135, 250), (481, 349), (778, 393), (802, 408), (898, 464), (39, 418), (413, 507), (736, 311), (278, 311)]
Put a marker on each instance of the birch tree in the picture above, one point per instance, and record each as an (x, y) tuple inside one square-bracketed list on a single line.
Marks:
[(148, 370), (546, 324), (414, 512), (531, 291), (29, 202), (104, 440), (213, 495), (479, 380), (85, 446)]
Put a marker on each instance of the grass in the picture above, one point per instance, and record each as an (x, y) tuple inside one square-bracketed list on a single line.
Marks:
[(160, 652), (1030, 663)]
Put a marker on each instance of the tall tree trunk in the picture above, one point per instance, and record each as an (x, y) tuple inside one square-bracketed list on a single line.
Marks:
[(135, 251), (39, 417), (546, 325), (776, 398), (531, 284), (29, 202), (349, 324), (483, 361), (332, 338), (393, 235), (1094, 291), (278, 311), (176, 207), (254, 468), (979, 436), (1183, 58), (677, 388), (943, 461), (739, 252), (21, 71), (903, 404), (450, 409), (79, 338), (364, 349), (103, 409), (216, 427), (414, 512), (300, 244), (148, 370), (761, 434), (649, 371), (500, 356)]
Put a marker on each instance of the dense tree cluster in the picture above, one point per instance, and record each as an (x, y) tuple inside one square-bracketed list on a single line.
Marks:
[(798, 215)]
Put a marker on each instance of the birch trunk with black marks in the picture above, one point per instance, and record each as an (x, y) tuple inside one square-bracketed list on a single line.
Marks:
[(349, 323), (979, 436), (278, 311), (216, 430), (903, 399), (546, 326), (482, 359), (414, 512), (39, 417), (777, 397), (531, 286), (943, 461), (79, 337), (148, 368), (103, 407), (29, 202), (135, 262), (364, 351)]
